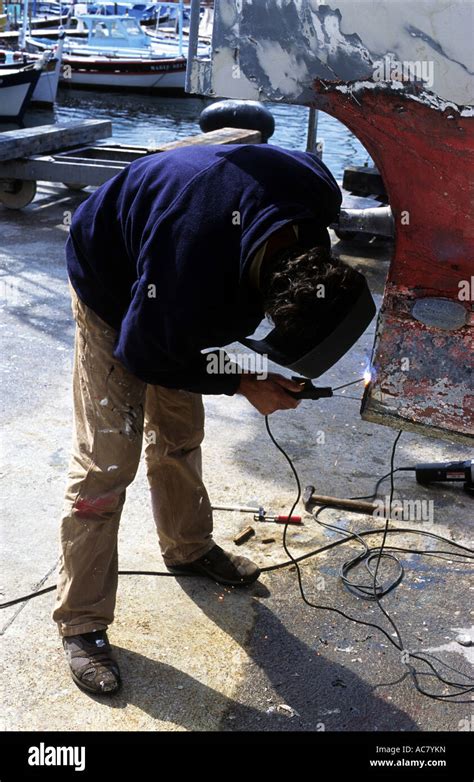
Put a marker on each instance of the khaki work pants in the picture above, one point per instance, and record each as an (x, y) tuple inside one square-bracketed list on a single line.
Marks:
[(112, 411)]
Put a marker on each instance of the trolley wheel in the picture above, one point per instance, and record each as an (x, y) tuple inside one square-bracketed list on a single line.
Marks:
[(73, 186), (17, 193)]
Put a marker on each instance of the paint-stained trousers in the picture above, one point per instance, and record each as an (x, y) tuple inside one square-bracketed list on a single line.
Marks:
[(113, 413)]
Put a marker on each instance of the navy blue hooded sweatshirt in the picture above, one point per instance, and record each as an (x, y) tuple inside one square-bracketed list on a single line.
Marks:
[(162, 251)]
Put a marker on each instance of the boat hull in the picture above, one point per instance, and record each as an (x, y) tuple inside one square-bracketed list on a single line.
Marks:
[(16, 89), (142, 75), (46, 88)]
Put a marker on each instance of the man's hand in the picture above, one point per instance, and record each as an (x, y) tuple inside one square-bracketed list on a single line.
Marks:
[(269, 395)]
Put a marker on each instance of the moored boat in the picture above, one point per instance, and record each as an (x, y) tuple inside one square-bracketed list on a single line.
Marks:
[(16, 89), (46, 87), (118, 54)]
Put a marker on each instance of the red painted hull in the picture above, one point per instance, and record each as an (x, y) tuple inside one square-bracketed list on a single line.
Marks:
[(426, 158)]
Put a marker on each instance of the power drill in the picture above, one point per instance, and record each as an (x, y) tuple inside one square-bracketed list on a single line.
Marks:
[(439, 472)]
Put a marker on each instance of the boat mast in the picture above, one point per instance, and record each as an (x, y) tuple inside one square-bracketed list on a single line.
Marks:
[(180, 23), (24, 23)]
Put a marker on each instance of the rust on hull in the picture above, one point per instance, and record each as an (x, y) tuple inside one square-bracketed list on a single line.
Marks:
[(422, 358)]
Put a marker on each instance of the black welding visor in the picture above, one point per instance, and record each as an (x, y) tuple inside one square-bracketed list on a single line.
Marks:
[(339, 325)]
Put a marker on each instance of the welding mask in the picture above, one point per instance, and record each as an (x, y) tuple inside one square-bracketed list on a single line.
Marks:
[(338, 326)]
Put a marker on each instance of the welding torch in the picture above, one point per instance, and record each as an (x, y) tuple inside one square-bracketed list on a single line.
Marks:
[(308, 391)]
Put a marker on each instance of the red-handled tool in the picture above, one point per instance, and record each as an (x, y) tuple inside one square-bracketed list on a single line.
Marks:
[(263, 516), (260, 514)]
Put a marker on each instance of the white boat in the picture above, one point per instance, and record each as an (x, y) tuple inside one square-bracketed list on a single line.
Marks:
[(16, 88), (118, 54), (46, 87)]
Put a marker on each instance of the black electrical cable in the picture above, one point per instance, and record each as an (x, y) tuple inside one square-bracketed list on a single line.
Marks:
[(462, 687), (376, 531), (288, 563), (368, 555), (45, 591), (414, 672), (365, 556)]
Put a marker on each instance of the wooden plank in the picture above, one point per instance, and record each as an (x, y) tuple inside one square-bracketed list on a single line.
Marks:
[(22, 143), (222, 136), (129, 153)]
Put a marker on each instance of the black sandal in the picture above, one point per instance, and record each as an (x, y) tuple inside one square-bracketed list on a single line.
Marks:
[(91, 663)]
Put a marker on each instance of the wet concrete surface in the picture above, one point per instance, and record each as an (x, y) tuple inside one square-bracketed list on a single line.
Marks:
[(194, 655)]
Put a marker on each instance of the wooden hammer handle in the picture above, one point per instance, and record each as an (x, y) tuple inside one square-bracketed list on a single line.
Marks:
[(360, 506), (338, 502)]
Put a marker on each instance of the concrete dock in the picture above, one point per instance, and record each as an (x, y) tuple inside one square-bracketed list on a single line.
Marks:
[(196, 656)]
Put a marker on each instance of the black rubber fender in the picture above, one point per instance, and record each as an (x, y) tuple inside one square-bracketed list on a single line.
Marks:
[(248, 114)]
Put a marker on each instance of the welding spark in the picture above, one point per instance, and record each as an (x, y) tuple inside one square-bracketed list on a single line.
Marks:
[(367, 376)]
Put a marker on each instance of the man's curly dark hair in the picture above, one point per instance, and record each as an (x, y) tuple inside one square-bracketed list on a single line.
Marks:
[(299, 286)]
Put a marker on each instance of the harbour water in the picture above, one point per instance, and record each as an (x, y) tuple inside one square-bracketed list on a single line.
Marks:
[(152, 120)]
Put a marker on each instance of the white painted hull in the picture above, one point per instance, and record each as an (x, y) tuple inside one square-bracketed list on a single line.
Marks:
[(132, 69), (140, 81), (47, 87), (11, 99), (16, 87)]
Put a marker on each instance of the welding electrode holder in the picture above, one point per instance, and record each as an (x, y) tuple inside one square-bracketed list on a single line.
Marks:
[(308, 391)]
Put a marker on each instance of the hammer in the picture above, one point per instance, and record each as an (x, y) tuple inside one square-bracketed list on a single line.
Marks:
[(310, 499)]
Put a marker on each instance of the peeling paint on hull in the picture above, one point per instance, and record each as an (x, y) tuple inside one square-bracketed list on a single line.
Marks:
[(274, 49)]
